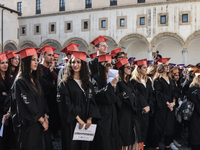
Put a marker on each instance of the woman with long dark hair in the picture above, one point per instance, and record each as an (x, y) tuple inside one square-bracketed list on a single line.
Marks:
[(143, 84), (27, 104), (77, 101), (5, 85), (164, 105), (127, 114), (107, 135), (13, 63)]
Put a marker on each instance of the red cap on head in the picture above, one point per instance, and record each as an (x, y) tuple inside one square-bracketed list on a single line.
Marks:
[(55, 55), (174, 70), (122, 62), (105, 58), (115, 51), (98, 40), (7, 51), (71, 47), (93, 55), (11, 54), (141, 62), (3, 56), (80, 55), (28, 51), (162, 60), (46, 48)]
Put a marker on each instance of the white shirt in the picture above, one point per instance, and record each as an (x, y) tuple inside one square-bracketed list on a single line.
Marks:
[(143, 82), (79, 82)]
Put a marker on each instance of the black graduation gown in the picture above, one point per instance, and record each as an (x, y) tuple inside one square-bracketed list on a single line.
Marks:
[(27, 106), (194, 95), (147, 93), (73, 101), (93, 64), (164, 117), (50, 94), (56, 70), (127, 114), (107, 134)]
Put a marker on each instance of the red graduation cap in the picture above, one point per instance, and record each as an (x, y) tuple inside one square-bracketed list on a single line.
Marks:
[(174, 70), (93, 55), (11, 54), (46, 48), (141, 62), (71, 46), (115, 51), (28, 51), (196, 72), (56, 55), (98, 40), (104, 58), (80, 55), (3, 56), (7, 51), (122, 62), (162, 60)]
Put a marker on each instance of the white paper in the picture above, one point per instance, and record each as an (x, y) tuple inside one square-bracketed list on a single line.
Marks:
[(112, 73), (1, 131), (83, 134)]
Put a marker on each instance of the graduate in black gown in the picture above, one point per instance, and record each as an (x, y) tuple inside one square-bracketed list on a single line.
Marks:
[(77, 101), (107, 134), (143, 84), (117, 55), (101, 48), (164, 107), (193, 95), (5, 85), (55, 59), (127, 114), (28, 108)]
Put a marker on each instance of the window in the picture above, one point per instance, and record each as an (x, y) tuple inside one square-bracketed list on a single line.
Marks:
[(19, 6), (113, 2), (122, 22), (68, 26), (23, 30), (163, 20), (185, 18), (142, 21), (88, 4), (141, 1), (62, 5), (85, 25), (38, 6), (103, 24), (37, 29), (52, 28)]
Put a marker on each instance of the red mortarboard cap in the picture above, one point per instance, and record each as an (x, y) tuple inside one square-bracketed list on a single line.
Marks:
[(3, 56), (105, 58), (93, 55), (46, 48), (141, 62), (80, 55), (196, 72), (122, 62), (192, 68), (55, 55), (71, 46), (7, 51), (98, 40), (162, 60), (174, 70), (11, 54), (28, 51), (115, 51)]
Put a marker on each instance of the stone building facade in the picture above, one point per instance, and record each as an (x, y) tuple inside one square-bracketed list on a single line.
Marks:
[(140, 27)]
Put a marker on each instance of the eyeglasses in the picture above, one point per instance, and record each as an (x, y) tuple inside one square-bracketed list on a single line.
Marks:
[(166, 66), (108, 65), (105, 46), (128, 67), (121, 57)]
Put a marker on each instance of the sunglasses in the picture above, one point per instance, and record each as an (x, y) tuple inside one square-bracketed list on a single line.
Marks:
[(108, 64), (128, 67)]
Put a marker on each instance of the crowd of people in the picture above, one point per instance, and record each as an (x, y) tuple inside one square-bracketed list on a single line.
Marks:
[(133, 111)]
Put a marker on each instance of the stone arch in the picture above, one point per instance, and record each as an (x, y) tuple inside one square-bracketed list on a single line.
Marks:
[(12, 43), (134, 35), (50, 41), (165, 34), (111, 39), (190, 38), (75, 39), (24, 43)]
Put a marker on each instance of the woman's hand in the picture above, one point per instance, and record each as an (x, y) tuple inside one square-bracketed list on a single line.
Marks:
[(89, 122), (45, 125), (115, 80), (5, 117), (146, 109), (4, 93), (80, 121)]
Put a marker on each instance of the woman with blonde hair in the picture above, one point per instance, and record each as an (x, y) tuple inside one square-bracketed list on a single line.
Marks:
[(143, 85), (194, 95), (164, 105), (151, 71)]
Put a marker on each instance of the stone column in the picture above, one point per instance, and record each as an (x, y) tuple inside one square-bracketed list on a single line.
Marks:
[(149, 55), (184, 52)]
